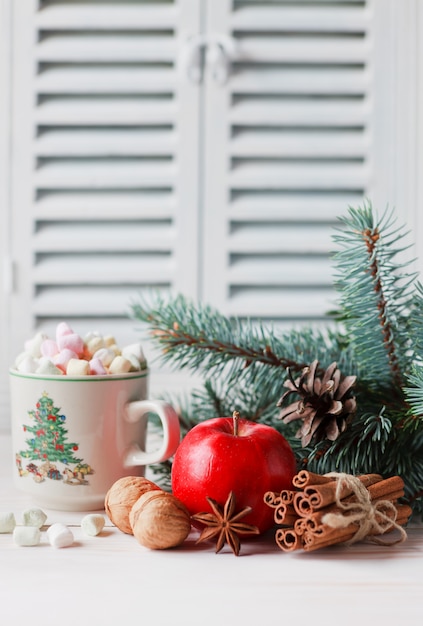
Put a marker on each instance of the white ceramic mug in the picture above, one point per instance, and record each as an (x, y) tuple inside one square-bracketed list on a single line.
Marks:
[(74, 437)]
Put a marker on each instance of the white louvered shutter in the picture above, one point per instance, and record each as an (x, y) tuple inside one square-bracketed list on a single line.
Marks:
[(302, 128), (126, 176), (105, 163)]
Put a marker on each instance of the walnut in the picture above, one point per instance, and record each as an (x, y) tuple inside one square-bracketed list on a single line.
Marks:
[(121, 497), (160, 520)]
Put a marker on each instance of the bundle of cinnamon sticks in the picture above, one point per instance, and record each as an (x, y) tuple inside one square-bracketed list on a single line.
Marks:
[(323, 510)]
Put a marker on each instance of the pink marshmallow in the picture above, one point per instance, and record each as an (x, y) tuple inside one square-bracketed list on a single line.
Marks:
[(62, 359), (63, 329), (72, 342), (97, 367), (49, 348)]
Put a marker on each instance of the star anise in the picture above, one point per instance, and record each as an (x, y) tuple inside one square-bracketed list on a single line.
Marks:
[(224, 524)]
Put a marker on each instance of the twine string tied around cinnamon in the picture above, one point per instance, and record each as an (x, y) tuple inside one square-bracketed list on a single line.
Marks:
[(372, 518)]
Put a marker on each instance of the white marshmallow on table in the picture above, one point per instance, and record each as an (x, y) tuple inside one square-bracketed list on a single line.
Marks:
[(59, 536), (78, 367), (26, 535), (93, 524), (7, 522), (119, 365), (34, 517), (46, 366)]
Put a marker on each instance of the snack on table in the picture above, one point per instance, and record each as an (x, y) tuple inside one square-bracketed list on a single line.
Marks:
[(73, 355)]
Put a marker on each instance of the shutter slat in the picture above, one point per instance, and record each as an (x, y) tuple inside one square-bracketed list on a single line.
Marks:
[(115, 236), (107, 142), (290, 18), (120, 112), (79, 301), (301, 80), (108, 17), (309, 113), (118, 174), (280, 238), (285, 271), (105, 80), (299, 144), (105, 49), (300, 176), (288, 206), (292, 304), (128, 205), (108, 270), (276, 50)]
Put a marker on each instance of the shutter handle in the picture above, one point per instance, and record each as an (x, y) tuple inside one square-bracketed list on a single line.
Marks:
[(190, 59), (221, 51)]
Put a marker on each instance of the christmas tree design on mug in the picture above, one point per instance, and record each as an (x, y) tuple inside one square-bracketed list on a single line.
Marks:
[(49, 446)]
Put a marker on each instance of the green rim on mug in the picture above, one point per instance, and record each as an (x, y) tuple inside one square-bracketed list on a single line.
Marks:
[(79, 379)]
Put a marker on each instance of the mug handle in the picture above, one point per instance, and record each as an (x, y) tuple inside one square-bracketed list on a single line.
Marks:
[(134, 412)]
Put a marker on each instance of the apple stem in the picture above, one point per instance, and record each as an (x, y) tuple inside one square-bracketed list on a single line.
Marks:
[(235, 416)]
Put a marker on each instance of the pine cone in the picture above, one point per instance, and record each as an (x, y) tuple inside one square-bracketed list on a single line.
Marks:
[(326, 404)]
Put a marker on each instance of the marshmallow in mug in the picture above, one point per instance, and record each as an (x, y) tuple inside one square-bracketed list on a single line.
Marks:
[(70, 354)]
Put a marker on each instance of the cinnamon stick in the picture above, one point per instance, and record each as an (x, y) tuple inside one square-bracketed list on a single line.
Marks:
[(316, 516), (272, 498), (327, 536), (285, 514), (304, 478), (319, 496), (287, 495), (300, 525), (302, 504), (379, 490), (290, 539), (287, 539)]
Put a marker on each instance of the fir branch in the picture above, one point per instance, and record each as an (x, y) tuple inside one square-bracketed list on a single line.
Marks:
[(199, 336), (375, 296)]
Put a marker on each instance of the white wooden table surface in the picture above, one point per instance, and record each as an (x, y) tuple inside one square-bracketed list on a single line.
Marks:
[(110, 579)]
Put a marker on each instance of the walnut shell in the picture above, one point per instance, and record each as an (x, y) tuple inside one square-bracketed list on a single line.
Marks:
[(160, 520), (121, 497)]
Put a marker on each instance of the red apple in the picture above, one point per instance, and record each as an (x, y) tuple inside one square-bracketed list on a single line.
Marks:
[(227, 454)]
